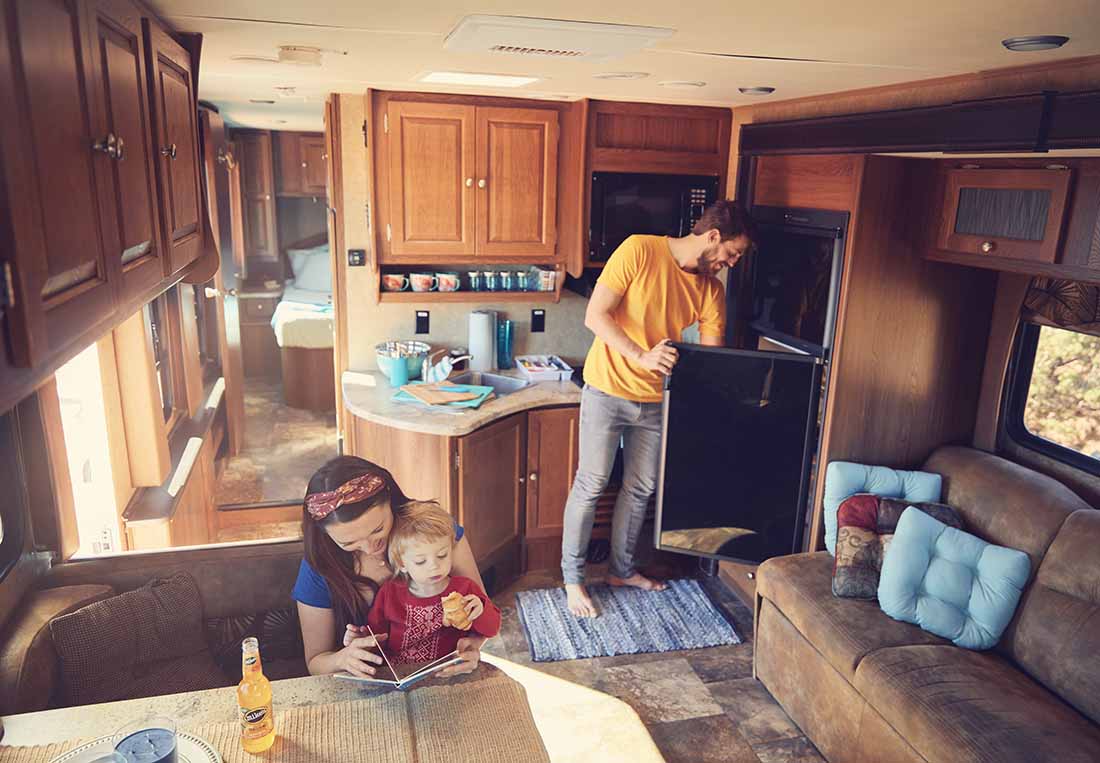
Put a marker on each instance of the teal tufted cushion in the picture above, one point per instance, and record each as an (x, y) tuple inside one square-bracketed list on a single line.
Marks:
[(844, 479), (949, 582)]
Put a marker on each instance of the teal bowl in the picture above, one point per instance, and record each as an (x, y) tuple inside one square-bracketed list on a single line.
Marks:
[(411, 353)]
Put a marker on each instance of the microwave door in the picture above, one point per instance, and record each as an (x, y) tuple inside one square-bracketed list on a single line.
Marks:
[(739, 430)]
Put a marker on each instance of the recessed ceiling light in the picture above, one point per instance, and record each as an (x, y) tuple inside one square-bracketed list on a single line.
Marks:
[(1035, 42), (476, 80), (261, 100), (756, 90), (280, 121), (682, 84), (621, 75)]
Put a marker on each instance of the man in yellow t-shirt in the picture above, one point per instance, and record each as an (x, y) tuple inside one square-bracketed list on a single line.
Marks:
[(652, 288)]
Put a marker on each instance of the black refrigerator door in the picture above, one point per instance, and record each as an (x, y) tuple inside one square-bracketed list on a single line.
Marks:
[(738, 436)]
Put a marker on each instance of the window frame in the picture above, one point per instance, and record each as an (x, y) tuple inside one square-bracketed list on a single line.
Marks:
[(1017, 385), (13, 512)]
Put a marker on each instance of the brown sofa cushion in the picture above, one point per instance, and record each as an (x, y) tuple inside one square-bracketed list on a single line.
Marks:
[(843, 630), (107, 648), (28, 662), (279, 634), (1057, 638), (962, 706)]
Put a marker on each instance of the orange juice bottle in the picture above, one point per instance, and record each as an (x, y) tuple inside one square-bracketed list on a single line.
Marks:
[(254, 701)]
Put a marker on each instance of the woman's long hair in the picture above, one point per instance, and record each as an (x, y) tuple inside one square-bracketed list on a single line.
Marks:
[(334, 564)]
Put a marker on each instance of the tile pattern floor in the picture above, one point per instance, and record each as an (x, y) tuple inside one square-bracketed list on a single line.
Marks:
[(700, 705), (283, 447)]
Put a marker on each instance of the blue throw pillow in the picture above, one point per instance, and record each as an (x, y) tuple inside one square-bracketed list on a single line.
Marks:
[(949, 582), (844, 479)]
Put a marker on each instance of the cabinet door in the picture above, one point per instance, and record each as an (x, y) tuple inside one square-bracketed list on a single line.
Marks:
[(289, 173), (65, 279), (311, 152), (431, 153), (491, 463), (1004, 213), (552, 453), (176, 131), (258, 199), (128, 186), (517, 173)]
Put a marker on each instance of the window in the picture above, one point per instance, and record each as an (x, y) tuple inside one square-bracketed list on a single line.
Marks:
[(156, 316), (1053, 403), (13, 506), (206, 321), (87, 446)]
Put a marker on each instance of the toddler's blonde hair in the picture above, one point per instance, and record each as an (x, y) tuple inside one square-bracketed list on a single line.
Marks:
[(418, 521)]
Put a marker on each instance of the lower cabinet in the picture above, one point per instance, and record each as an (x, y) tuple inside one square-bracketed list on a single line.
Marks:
[(259, 350)]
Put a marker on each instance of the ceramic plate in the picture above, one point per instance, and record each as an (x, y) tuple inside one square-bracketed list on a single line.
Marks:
[(191, 750)]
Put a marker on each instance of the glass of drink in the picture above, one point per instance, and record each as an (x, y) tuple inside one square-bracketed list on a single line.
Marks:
[(492, 282), (504, 344), (104, 752), (505, 280), (475, 280), (149, 740), (522, 278)]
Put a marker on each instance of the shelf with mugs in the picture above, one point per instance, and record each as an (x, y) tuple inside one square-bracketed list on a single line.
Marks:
[(476, 283)]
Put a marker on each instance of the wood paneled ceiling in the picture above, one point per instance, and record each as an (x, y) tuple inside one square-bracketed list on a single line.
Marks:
[(866, 43)]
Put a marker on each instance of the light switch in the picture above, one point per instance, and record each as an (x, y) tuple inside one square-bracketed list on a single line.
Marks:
[(422, 322), (538, 321), (357, 258)]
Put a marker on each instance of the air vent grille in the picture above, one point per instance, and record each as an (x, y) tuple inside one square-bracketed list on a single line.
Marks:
[(521, 50)]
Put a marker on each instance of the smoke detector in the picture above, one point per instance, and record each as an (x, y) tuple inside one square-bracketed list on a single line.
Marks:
[(550, 38)]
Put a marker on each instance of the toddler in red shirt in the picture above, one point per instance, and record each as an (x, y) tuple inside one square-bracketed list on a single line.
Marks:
[(408, 607)]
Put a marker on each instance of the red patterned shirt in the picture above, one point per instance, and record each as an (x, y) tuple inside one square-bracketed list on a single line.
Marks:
[(415, 624)]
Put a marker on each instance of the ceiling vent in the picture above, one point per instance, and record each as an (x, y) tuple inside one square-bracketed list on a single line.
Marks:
[(550, 38)]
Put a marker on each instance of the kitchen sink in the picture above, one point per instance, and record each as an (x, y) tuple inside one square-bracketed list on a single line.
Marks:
[(502, 385)]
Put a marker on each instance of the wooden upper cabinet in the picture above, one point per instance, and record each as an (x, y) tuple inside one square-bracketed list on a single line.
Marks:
[(648, 137), (57, 253), (1010, 213), (432, 194), (314, 164), (302, 164), (175, 121), (517, 173), (128, 188), (491, 467), (257, 195), (553, 450)]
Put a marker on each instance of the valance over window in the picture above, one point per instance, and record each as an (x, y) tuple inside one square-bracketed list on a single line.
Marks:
[(1066, 304)]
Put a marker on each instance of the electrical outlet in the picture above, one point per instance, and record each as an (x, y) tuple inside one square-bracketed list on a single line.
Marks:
[(423, 324), (538, 321), (357, 258)]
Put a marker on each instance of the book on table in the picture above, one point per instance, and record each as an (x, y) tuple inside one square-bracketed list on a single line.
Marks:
[(389, 675)]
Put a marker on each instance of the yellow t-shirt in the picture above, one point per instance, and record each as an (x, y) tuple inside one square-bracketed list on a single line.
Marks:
[(659, 301)]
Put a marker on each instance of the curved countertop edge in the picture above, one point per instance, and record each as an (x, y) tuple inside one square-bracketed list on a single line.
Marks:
[(368, 395)]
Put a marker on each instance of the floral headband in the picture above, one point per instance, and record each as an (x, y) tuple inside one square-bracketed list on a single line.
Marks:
[(320, 505)]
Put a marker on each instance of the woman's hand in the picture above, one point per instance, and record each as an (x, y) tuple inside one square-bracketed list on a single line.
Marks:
[(469, 649), (356, 657), (473, 606)]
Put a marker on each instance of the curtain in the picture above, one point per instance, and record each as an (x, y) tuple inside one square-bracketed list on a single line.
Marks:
[(1066, 304)]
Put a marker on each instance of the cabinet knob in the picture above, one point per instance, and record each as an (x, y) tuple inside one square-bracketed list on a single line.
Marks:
[(533, 476), (169, 151), (469, 182), (481, 183), (988, 246), (108, 145), (304, 165)]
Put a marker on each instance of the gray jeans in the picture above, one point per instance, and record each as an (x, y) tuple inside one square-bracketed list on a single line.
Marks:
[(605, 420)]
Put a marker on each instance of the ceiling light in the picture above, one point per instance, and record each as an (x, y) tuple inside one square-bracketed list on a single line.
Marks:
[(763, 90), (286, 91), (476, 80), (682, 84), (1035, 42), (621, 75), (261, 100)]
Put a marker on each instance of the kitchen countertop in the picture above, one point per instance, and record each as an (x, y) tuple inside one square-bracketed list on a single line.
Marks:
[(577, 724), (369, 396)]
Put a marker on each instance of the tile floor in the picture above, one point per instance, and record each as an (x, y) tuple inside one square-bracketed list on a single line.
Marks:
[(700, 705)]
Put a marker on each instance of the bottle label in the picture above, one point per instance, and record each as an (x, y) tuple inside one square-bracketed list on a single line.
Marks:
[(255, 722), (250, 660)]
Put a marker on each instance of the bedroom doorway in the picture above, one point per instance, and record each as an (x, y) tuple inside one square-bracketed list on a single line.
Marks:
[(276, 275)]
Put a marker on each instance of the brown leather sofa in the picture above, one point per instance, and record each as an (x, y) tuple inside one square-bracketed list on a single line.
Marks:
[(867, 688)]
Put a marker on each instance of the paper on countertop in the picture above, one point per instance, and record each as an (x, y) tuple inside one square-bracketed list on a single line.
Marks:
[(360, 378)]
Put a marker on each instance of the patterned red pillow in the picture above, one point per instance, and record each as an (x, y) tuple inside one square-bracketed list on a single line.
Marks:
[(865, 526)]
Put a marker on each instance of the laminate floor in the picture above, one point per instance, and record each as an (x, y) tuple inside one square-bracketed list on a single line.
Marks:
[(283, 447), (700, 705)]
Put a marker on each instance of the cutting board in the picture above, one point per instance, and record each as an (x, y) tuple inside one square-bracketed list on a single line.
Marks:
[(434, 394), (479, 394)]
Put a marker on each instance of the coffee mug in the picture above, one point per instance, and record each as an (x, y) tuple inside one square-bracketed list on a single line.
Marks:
[(447, 281), (394, 282), (422, 281)]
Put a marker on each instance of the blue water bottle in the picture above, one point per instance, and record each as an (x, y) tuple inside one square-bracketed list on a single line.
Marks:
[(504, 344)]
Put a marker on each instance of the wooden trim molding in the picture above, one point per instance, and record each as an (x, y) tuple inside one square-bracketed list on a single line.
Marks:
[(116, 430), (50, 407), (1011, 288), (143, 418)]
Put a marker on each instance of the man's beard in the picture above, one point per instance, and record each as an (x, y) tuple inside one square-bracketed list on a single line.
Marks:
[(708, 262)]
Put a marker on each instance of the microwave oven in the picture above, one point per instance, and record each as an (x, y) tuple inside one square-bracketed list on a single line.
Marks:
[(625, 203)]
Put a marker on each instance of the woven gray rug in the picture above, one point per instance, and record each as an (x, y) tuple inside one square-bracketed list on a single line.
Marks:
[(631, 621)]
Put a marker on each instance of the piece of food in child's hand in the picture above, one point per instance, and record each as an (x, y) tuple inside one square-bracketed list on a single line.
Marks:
[(454, 614)]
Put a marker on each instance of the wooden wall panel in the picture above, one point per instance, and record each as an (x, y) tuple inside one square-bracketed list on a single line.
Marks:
[(143, 418), (816, 182), (911, 338), (421, 463)]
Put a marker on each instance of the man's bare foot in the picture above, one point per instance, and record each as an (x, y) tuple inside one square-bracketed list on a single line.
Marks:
[(638, 580), (580, 603)]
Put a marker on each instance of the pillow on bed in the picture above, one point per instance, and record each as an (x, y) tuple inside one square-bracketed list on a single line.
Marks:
[(315, 273), (299, 257)]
